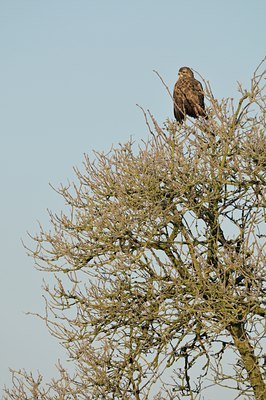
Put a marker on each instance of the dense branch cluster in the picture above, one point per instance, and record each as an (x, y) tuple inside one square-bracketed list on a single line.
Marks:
[(159, 262)]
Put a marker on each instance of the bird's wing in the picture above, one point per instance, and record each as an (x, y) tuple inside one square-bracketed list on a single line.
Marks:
[(198, 89)]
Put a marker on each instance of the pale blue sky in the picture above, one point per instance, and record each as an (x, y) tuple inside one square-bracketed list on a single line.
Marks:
[(71, 72)]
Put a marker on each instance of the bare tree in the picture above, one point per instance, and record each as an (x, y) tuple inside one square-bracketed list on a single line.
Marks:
[(159, 263)]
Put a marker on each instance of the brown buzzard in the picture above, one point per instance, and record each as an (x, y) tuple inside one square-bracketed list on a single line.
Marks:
[(188, 96)]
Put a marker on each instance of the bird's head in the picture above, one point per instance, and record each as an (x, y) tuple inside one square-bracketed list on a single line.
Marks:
[(185, 72)]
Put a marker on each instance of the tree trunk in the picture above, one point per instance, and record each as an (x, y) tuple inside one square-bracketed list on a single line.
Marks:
[(249, 359)]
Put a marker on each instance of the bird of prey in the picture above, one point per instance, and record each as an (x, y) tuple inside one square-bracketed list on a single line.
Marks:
[(188, 96)]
